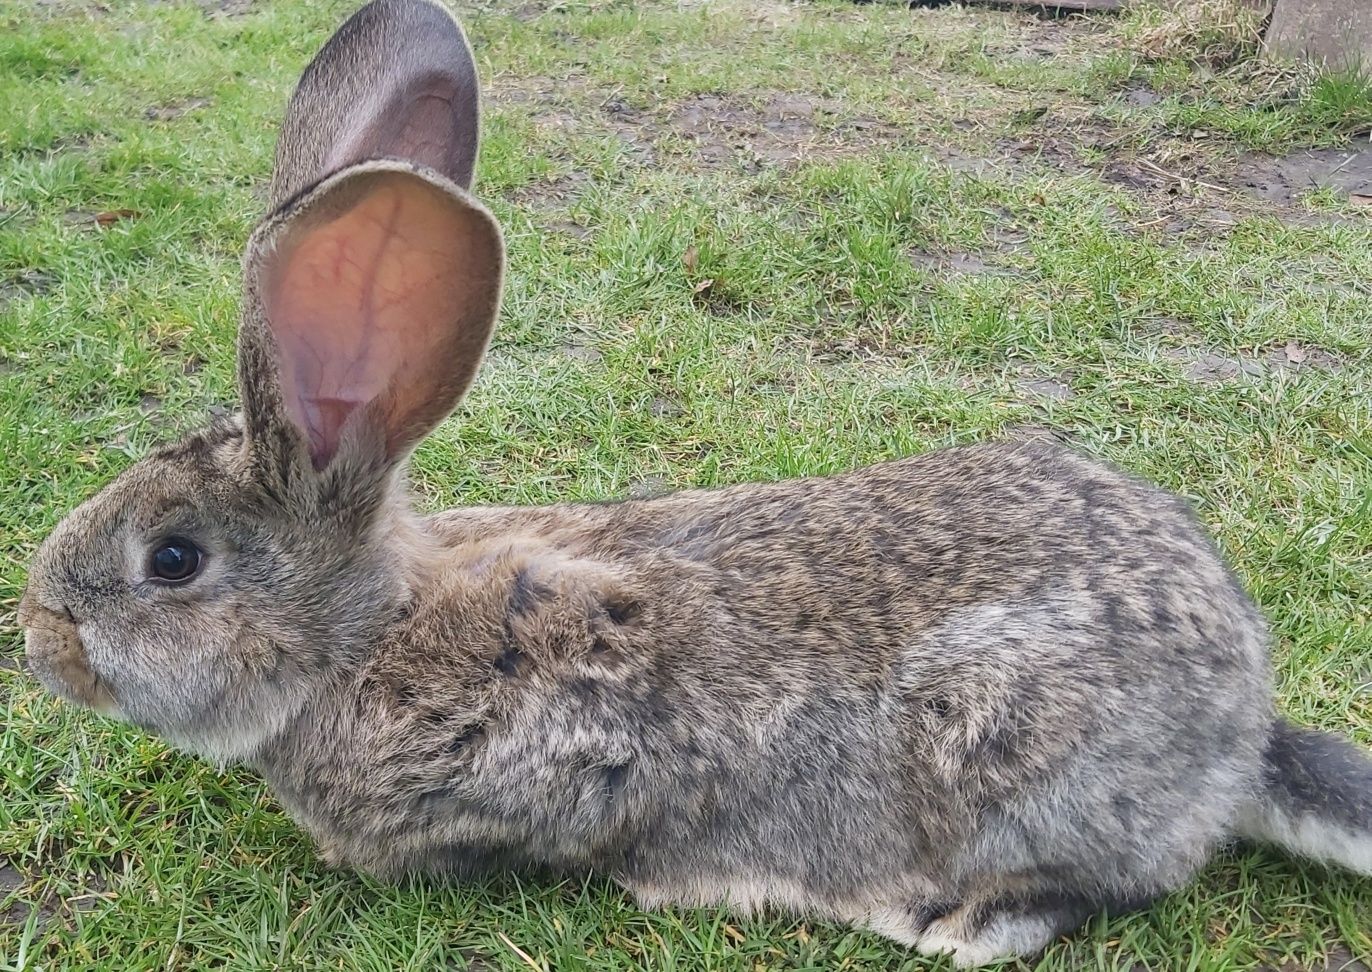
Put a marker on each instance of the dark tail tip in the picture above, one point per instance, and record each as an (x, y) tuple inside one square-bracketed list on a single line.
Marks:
[(1316, 799)]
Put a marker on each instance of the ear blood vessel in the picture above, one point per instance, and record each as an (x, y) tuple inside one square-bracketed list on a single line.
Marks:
[(965, 699)]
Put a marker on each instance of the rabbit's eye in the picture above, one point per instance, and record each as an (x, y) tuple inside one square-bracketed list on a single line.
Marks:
[(176, 560)]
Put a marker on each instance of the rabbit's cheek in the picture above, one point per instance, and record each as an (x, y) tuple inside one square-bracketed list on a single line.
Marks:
[(57, 656)]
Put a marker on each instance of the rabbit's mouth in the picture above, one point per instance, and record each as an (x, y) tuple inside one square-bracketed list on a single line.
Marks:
[(58, 659)]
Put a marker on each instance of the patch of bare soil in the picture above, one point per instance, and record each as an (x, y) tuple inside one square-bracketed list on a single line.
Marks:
[(648, 487), (565, 227), (1212, 367), (87, 219), (764, 130), (1186, 186), (1076, 143), (553, 193), (1034, 432), (1339, 959), (959, 262), (1186, 182), (1037, 387), (636, 135), (1294, 356), (1285, 180), (506, 89), (72, 143), (26, 283), (1141, 96), (773, 129), (90, 8), (174, 109), (581, 347), (15, 885), (628, 125), (1006, 239), (50, 906), (11, 883), (220, 9)]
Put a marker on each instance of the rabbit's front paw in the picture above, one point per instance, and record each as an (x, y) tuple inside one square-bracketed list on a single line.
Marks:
[(332, 855), (996, 929)]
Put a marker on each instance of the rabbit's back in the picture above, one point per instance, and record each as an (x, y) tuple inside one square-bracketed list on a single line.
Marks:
[(857, 566), (983, 658)]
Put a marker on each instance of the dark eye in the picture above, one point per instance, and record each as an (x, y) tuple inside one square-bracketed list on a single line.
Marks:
[(176, 560)]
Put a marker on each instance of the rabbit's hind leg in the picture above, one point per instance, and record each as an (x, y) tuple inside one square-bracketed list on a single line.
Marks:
[(990, 929)]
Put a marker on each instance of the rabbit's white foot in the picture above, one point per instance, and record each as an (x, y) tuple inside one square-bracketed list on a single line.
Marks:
[(1003, 937), (982, 931)]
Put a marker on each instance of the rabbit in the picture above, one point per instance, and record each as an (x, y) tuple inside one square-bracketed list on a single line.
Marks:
[(966, 699)]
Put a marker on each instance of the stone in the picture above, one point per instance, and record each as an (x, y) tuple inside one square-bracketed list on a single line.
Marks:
[(1336, 33)]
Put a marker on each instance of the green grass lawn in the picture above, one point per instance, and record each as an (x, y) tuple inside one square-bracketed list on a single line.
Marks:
[(747, 240)]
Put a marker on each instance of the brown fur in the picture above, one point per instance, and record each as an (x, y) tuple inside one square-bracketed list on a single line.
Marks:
[(966, 699)]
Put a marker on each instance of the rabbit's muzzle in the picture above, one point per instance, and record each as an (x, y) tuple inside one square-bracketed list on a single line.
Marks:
[(56, 656)]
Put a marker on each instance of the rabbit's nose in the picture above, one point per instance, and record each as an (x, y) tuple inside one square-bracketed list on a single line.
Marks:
[(56, 655), (31, 611), (27, 605)]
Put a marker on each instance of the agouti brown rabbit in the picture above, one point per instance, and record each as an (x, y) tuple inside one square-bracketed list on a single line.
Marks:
[(966, 699)]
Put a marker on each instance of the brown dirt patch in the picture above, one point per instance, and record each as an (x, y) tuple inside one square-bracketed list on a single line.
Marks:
[(538, 89), (636, 136), (12, 884), (1140, 96), (553, 193), (958, 262), (1294, 356), (1185, 185), (1285, 180), (87, 219), (221, 9), (648, 487), (749, 132), (57, 8), (565, 227), (1006, 239), (1213, 367), (1339, 959), (15, 886), (26, 283), (581, 347), (28, 893), (1034, 432), (1037, 387), (623, 122), (772, 128), (174, 109), (753, 131)]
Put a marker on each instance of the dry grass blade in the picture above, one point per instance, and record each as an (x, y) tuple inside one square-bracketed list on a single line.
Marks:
[(1212, 32), (527, 958)]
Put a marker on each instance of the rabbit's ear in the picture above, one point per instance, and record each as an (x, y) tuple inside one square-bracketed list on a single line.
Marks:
[(369, 304), (371, 291), (396, 81)]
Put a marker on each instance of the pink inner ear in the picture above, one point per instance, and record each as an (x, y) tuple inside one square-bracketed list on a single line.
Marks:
[(374, 306)]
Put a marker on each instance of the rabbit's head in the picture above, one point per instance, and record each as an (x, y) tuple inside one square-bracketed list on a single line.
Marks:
[(215, 585)]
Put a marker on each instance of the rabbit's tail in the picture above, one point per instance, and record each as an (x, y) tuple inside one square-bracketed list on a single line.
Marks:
[(1316, 799)]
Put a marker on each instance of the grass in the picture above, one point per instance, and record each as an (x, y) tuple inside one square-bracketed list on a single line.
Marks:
[(971, 223)]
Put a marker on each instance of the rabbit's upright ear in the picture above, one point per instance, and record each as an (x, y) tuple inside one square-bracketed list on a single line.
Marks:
[(396, 81), (370, 294)]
